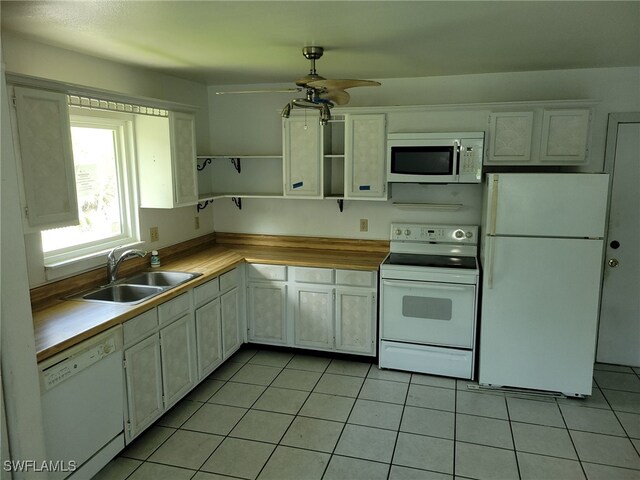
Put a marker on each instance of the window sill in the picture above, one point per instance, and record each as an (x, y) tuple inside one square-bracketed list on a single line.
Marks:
[(56, 270)]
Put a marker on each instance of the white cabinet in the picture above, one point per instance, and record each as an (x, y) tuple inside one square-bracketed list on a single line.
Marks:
[(46, 156), (267, 312), (177, 346), (166, 156), (302, 152), (313, 308), (355, 320), (313, 316), (564, 136), (510, 137), (365, 157), (539, 137), (208, 338), (230, 310), (143, 374), (160, 361)]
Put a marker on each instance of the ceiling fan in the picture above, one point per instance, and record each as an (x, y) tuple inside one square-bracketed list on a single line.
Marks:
[(320, 93)]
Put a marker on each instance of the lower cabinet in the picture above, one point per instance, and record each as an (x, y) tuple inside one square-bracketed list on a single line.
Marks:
[(161, 368), (209, 338), (230, 313), (169, 349), (267, 312), (314, 308), (313, 316)]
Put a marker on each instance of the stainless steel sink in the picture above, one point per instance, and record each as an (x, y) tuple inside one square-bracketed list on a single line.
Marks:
[(137, 288), (161, 279), (123, 293)]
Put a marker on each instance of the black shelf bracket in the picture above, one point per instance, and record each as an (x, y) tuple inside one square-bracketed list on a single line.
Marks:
[(202, 206), (341, 204), (206, 162), (236, 164), (238, 202)]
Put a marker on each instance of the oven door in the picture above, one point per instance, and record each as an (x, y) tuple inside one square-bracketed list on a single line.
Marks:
[(428, 312)]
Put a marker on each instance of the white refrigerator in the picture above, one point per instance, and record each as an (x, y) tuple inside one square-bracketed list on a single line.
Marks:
[(542, 254)]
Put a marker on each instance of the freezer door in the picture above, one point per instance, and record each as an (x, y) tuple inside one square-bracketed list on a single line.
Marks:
[(539, 313), (546, 204)]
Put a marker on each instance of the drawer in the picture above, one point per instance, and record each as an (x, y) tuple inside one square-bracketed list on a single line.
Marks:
[(258, 271), (313, 275), (205, 292), (356, 278), (138, 327), (174, 308), (229, 279)]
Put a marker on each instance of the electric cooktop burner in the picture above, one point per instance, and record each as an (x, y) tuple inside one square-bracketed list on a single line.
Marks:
[(439, 261)]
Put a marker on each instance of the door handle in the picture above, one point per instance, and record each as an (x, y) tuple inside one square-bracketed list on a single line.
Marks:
[(613, 262)]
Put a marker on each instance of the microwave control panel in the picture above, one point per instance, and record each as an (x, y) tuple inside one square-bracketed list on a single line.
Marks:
[(471, 151)]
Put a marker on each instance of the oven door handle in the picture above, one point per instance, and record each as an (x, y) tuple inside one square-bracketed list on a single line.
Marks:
[(420, 284)]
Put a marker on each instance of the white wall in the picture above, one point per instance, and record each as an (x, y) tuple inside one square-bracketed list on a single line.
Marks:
[(30, 58), (250, 125)]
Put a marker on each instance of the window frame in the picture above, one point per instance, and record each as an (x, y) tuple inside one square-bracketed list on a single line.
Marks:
[(123, 126)]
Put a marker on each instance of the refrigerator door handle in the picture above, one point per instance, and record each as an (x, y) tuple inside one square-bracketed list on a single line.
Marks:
[(493, 189), (490, 254)]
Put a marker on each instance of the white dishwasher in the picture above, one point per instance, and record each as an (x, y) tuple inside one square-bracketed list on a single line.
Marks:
[(82, 391)]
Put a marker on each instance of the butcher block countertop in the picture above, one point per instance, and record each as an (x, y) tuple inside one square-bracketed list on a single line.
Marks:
[(60, 324)]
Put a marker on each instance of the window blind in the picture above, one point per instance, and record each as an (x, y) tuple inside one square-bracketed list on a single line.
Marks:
[(98, 104)]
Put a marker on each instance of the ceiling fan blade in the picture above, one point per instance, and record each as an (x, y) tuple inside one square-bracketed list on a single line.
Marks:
[(342, 84), (282, 90), (339, 97)]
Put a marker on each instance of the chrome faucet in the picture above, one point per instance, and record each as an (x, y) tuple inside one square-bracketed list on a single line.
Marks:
[(113, 264)]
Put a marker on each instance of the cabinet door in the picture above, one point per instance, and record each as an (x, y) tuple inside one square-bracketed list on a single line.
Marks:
[(355, 321), (183, 156), (365, 156), (208, 338), (510, 136), (144, 385), (178, 359), (313, 317), (230, 308), (564, 136), (302, 151), (46, 155), (267, 312)]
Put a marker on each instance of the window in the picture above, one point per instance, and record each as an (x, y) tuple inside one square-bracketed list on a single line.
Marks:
[(104, 174)]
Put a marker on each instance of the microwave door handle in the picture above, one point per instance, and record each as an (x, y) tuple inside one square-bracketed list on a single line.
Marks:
[(456, 161)]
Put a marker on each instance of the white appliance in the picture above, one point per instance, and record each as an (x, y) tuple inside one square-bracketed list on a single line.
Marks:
[(541, 256), (429, 297), (82, 392), (435, 157)]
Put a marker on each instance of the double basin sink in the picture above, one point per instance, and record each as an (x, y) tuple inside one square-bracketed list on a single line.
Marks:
[(137, 288)]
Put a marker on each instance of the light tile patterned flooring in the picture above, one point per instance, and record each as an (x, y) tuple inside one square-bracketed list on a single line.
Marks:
[(278, 415)]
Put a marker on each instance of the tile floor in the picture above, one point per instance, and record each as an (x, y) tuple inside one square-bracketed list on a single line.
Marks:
[(275, 415)]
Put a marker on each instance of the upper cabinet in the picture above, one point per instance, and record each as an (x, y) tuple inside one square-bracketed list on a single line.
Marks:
[(303, 150), (343, 159), (166, 155), (539, 137), (364, 152), (46, 156)]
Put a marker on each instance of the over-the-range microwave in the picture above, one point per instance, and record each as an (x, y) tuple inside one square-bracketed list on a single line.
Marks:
[(435, 157)]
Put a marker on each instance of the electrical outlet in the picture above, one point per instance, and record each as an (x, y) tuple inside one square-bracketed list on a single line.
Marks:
[(153, 234), (364, 224), (197, 222)]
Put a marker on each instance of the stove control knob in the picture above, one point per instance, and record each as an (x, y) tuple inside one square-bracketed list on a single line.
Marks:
[(468, 234), (398, 232), (459, 234), (407, 232)]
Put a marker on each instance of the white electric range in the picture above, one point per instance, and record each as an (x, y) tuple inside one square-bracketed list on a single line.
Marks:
[(429, 300)]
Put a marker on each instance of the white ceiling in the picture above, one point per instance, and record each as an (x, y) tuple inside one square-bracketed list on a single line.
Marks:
[(240, 42)]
